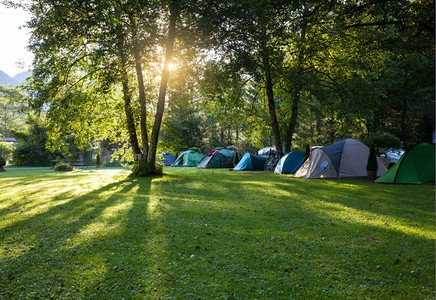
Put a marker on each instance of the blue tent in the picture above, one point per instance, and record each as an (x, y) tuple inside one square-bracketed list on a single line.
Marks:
[(250, 162), (290, 162), (167, 158)]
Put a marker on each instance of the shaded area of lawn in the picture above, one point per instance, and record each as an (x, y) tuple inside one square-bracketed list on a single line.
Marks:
[(212, 234)]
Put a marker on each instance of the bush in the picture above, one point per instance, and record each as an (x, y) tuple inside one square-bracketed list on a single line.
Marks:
[(6, 149), (89, 162), (2, 161), (31, 155), (54, 162), (97, 160), (140, 169), (196, 149), (383, 140), (62, 166), (114, 163), (372, 160)]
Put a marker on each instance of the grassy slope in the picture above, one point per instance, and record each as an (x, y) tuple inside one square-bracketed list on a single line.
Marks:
[(212, 234)]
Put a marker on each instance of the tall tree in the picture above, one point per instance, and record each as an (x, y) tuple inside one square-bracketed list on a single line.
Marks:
[(104, 45), (388, 72), (252, 33)]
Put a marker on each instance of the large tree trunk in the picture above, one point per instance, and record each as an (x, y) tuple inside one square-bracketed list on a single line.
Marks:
[(272, 108), (174, 14)]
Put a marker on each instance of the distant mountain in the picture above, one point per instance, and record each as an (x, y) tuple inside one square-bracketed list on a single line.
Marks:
[(5, 79), (21, 77), (18, 79)]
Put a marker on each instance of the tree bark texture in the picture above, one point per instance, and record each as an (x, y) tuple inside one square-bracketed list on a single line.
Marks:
[(130, 122), (294, 114), (141, 88)]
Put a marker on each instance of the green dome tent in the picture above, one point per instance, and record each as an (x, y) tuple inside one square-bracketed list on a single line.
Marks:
[(189, 158), (415, 166), (223, 158)]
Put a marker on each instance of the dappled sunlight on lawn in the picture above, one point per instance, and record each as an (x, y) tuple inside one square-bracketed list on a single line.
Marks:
[(110, 221), (214, 233), (339, 212)]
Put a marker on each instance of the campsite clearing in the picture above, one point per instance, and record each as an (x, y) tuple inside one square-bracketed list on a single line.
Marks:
[(207, 234)]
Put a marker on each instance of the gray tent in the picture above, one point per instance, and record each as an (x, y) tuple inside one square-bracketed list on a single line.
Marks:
[(345, 158)]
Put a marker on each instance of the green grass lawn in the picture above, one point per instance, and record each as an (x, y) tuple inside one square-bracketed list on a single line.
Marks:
[(212, 234)]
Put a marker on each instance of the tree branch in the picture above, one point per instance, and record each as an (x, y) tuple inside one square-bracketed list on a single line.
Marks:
[(374, 24)]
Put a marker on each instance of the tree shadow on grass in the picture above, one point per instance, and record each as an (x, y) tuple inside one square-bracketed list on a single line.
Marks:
[(206, 236), (390, 202), (71, 248), (252, 244)]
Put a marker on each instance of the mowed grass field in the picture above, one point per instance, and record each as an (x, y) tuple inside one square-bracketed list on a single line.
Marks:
[(212, 234)]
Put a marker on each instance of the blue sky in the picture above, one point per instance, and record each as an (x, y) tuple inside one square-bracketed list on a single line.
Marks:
[(13, 41)]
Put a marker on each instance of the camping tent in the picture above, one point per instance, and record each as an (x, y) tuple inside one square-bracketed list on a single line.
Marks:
[(290, 163), (223, 158), (189, 158), (415, 166), (250, 162), (167, 158), (345, 158)]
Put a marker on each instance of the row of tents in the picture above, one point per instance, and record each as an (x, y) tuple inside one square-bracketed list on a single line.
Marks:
[(223, 158), (343, 159), (226, 158)]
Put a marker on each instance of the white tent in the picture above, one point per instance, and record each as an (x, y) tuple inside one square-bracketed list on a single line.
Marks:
[(345, 158)]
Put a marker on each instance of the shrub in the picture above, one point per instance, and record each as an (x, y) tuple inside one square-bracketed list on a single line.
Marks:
[(54, 162), (113, 163), (31, 155), (234, 148), (97, 160), (140, 169), (382, 140), (2, 163), (196, 149), (372, 160), (89, 162), (6, 149), (62, 166)]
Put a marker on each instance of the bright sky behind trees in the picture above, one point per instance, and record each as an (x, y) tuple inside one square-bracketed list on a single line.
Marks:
[(14, 41)]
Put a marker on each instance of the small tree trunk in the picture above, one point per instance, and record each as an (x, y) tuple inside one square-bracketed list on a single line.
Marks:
[(174, 14), (141, 89), (222, 135), (297, 92), (272, 109), (293, 122), (229, 136), (130, 122)]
